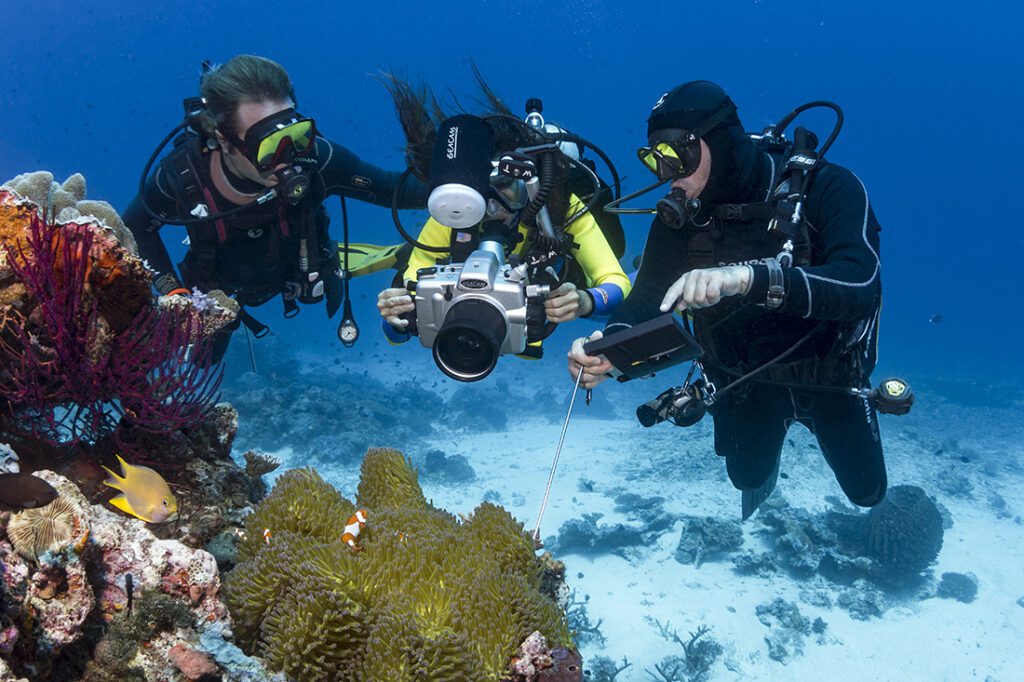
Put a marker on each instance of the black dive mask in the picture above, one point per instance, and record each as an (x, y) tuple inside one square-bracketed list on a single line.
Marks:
[(671, 153), (276, 139)]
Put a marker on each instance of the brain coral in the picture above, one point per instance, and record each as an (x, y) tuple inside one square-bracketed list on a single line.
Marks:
[(904, 533), (427, 598)]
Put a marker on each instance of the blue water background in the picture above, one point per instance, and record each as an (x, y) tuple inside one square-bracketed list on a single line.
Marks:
[(931, 94)]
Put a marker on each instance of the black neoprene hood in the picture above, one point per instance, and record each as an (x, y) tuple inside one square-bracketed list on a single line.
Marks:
[(689, 105)]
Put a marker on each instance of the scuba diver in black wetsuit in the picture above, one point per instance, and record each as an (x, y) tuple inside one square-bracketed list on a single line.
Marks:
[(247, 177), (775, 254)]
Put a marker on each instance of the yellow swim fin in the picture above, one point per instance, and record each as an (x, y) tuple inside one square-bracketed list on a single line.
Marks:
[(364, 259)]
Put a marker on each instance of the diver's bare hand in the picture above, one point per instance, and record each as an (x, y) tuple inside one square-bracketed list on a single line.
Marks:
[(706, 287), (567, 303), (595, 369), (393, 302)]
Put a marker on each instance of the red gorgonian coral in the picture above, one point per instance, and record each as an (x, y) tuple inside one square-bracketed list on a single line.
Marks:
[(82, 346)]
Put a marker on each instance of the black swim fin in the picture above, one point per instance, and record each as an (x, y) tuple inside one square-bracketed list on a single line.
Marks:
[(752, 499)]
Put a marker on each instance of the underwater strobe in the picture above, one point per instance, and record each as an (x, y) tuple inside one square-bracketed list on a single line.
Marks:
[(685, 405), (470, 313), (459, 172)]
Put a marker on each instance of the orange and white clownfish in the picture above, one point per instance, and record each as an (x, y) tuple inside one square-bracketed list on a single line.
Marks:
[(266, 535), (353, 526)]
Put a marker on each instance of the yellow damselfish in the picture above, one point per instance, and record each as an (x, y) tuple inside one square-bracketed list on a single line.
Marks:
[(145, 493)]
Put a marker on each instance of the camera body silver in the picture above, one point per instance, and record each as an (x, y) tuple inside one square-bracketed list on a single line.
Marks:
[(484, 276)]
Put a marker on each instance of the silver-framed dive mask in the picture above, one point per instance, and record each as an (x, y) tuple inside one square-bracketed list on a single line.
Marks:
[(508, 195)]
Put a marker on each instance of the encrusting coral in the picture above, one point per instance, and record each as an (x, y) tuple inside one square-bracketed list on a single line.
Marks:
[(83, 347), (66, 202), (112, 591), (426, 598)]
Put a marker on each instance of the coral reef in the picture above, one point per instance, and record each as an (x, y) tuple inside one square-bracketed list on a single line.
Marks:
[(48, 529), (214, 494), (583, 630), (787, 629), (439, 467), (708, 537), (585, 536), (891, 544), (72, 599), (904, 534), (650, 511), (427, 597), (259, 463), (479, 408), (960, 586), (82, 346), (536, 660), (286, 406), (863, 600), (604, 669), (699, 653), (9, 462), (66, 201)]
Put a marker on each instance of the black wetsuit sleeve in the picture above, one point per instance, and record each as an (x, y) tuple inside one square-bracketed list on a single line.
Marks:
[(664, 261), (146, 230), (843, 281), (343, 173)]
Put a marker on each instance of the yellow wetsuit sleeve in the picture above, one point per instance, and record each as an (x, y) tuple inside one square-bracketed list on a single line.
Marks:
[(597, 260), (432, 234)]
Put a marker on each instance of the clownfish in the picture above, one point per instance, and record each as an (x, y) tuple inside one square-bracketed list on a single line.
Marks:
[(266, 535), (353, 527)]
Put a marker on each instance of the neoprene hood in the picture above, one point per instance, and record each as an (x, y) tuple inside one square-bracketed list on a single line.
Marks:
[(689, 105)]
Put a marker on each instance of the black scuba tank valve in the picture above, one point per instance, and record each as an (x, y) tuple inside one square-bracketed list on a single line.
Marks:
[(534, 109)]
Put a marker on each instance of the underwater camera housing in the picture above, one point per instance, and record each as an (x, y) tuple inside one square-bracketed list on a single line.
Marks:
[(647, 348), (471, 313)]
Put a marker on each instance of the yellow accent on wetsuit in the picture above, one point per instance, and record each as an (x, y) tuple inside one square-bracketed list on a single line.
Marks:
[(592, 252)]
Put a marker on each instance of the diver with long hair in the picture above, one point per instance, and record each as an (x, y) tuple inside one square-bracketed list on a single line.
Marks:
[(576, 244)]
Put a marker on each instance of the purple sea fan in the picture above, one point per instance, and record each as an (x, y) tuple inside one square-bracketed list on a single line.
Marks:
[(69, 370)]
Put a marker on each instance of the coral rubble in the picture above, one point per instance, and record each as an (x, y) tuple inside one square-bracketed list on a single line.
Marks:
[(706, 538)]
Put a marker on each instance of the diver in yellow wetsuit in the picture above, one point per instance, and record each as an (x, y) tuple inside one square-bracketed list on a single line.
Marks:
[(572, 242), (604, 283)]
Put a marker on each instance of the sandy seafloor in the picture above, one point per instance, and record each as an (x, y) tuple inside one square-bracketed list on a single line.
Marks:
[(957, 432)]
